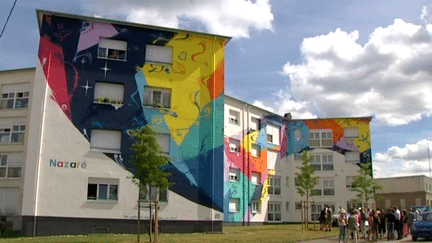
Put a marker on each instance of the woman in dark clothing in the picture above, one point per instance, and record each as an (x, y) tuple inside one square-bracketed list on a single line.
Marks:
[(382, 223), (322, 218)]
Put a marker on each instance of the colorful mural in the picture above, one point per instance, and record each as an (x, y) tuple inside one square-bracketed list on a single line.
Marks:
[(294, 138), (68, 55)]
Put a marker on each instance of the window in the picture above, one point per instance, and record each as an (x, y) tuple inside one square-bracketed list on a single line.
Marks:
[(297, 134), (256, 149), (164, 142), (109, 93), (298, 206), (352, 157), (12, 132), (287, 208), (254, 125), (274, 212), (15, 96), (322, 162), (349, 181), (233, 175), (102, 189), (273, 134), (269, 138), (296, 181), (234, 145), (297, 157), (157, 97), (325, 188), (287, 181), (147, 193), (112, 49), (256, 207), (272, 157), (158, 54), (321, 138), (234, 205), (274, 187), (255, 178), (234, 117), (351, 133), (106, 141), (9, 201), (328, 187), (10, 165)]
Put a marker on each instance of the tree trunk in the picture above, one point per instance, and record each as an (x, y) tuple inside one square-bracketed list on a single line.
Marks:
[(138, 225), (156, 221)]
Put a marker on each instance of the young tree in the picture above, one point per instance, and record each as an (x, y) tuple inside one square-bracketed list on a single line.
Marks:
[(364, 184), (148, 160), (306, 180)]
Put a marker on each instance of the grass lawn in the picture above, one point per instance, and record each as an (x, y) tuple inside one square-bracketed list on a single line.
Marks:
[(255, 233)]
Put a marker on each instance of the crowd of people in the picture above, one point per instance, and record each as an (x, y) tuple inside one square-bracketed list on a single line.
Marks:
[(375, 224)]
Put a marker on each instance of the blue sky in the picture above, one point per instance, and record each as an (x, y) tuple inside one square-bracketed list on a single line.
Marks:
[(311, 58)]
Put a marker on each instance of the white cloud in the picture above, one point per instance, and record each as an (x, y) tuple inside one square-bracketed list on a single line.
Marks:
[(261, 105), (389, 77), (396, 161), (233, 18)]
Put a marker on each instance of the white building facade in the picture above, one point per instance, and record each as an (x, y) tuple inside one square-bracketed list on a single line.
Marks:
[(261, 186), (14, 114)]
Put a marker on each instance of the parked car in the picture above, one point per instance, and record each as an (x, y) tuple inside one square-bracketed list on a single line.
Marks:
[(423, 228)]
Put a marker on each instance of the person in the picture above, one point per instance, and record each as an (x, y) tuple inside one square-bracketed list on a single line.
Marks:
[(353, 226), (343, 222), (329, 218), (410, 220), (398, 222), (322, 218), (404, 221), (417, 215), (363, 219), (373, 225), (391, 218), (2, 225), (382, 223)]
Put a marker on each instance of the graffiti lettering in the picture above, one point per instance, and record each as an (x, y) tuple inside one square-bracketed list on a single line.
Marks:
[(62, 164)]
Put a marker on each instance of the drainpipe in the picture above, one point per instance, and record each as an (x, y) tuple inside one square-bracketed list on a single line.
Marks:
[(248, 167), (214, 136), (244, 163)]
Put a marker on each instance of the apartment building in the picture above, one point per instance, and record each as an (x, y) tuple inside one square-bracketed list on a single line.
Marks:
[(262, 155), (66, 162), (404, 192), (16, 88), (95, 80)]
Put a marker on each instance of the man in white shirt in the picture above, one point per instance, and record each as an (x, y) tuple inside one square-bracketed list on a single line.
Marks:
[(398, 223)]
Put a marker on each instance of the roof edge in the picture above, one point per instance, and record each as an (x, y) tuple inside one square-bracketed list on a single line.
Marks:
[(17, 69), (41, 12), (310, 119)]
